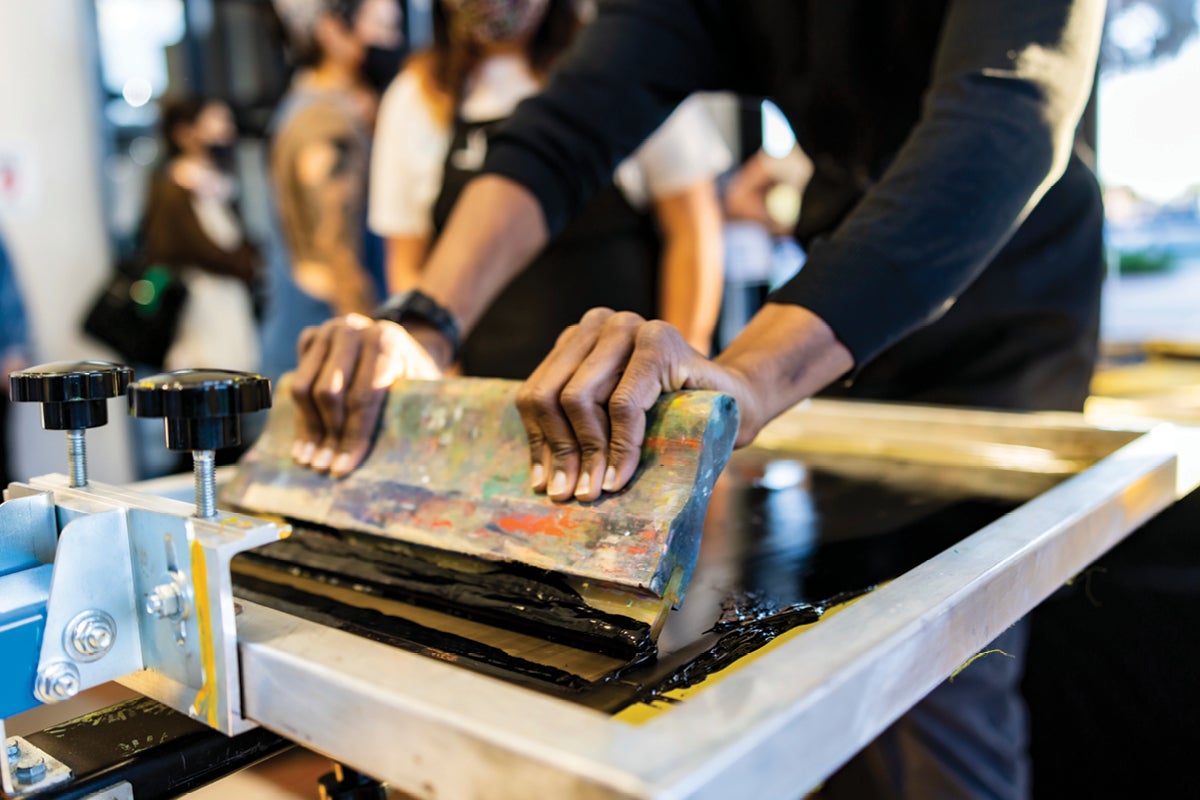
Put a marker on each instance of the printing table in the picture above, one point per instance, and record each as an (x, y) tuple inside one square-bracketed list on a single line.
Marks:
[(785, 717)]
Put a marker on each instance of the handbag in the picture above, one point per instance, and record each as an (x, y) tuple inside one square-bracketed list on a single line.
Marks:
[(137, 314)]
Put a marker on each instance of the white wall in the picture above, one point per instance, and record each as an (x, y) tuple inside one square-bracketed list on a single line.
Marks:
[(48, 97)]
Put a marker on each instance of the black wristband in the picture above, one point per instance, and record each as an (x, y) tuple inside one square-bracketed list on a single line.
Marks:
[(415, 305)]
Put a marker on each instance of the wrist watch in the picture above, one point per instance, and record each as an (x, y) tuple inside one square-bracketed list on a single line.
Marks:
[(415, 305)]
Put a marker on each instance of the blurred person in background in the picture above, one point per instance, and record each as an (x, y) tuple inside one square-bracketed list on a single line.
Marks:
[(192, 223), (14, 349), (648, 242), (346, 52)]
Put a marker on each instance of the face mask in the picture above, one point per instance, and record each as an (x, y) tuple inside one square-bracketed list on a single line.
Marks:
[(381, 65), (491, 21)]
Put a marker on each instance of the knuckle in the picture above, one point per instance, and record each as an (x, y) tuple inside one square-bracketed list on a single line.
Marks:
[(597, 316), (622, 405), (566, 336), (617, 450), (575, 398), (325, 395), (534, 400), (625, 319), (300, 388), (360, 400), (655, 332), (563, 449), (591, 449), (307, 337), (526, 400), (372, 336)]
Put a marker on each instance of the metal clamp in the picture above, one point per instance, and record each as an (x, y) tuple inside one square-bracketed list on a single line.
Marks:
[(141, 592)]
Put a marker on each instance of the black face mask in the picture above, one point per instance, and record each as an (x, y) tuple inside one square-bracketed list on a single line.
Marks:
[(222, 155), (381, 65)]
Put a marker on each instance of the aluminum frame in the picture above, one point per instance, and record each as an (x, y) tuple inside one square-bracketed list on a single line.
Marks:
[(778, 726)]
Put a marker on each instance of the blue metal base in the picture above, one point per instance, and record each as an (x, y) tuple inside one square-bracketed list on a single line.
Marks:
[(23, 598)]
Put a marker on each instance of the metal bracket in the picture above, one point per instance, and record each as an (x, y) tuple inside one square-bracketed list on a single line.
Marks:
[(28, 531), (27, 769), (91, 587), (141, 593)]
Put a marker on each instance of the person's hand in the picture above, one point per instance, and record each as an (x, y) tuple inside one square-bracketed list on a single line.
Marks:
[(584, 408), (746, 193), (346, 367), (767, 191)]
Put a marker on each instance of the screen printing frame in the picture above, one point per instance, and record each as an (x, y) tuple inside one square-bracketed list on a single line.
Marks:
[(779, 725)]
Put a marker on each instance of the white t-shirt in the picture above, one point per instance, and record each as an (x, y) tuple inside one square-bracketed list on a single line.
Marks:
[(410, 147)]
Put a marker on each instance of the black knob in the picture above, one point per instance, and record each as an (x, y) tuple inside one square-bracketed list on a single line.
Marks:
[(202, 407), (73, 394)]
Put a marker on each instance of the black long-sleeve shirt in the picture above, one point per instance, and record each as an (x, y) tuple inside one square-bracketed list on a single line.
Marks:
[(935, 126)]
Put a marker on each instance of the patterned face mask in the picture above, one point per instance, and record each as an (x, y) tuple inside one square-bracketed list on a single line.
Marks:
[(492, 21)]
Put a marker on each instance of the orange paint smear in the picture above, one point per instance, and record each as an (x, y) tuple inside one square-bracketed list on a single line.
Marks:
[(663, 443), (556, 525)]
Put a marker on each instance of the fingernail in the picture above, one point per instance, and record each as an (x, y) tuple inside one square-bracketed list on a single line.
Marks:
[(559, 484), (323, 459), (537, 476), (610, 479), (342, 464), (306, 452), (584, 486)]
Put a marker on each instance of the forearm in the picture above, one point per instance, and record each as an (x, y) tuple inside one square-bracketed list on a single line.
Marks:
[(353, 293), (691, 283), (995, 132), (496, 228), (786, 353), (405, 255)]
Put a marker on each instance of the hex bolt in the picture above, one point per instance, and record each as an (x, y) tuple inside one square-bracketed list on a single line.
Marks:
[(165, 601), (91, 635), (14, 751), (28, 772), (58, 680)]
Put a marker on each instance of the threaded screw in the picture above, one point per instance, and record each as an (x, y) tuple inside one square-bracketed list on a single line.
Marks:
[(77, 457), (204, 469)]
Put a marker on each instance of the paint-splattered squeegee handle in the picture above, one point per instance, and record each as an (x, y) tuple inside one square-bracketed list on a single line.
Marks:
[(450, 469)]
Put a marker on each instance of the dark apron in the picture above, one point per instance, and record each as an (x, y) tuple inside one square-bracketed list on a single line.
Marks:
[(606, 256)]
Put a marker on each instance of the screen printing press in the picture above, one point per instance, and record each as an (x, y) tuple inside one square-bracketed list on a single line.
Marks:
[(432, 623)]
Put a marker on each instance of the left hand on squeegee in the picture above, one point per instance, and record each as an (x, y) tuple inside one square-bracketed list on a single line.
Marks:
[(346, 366)]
